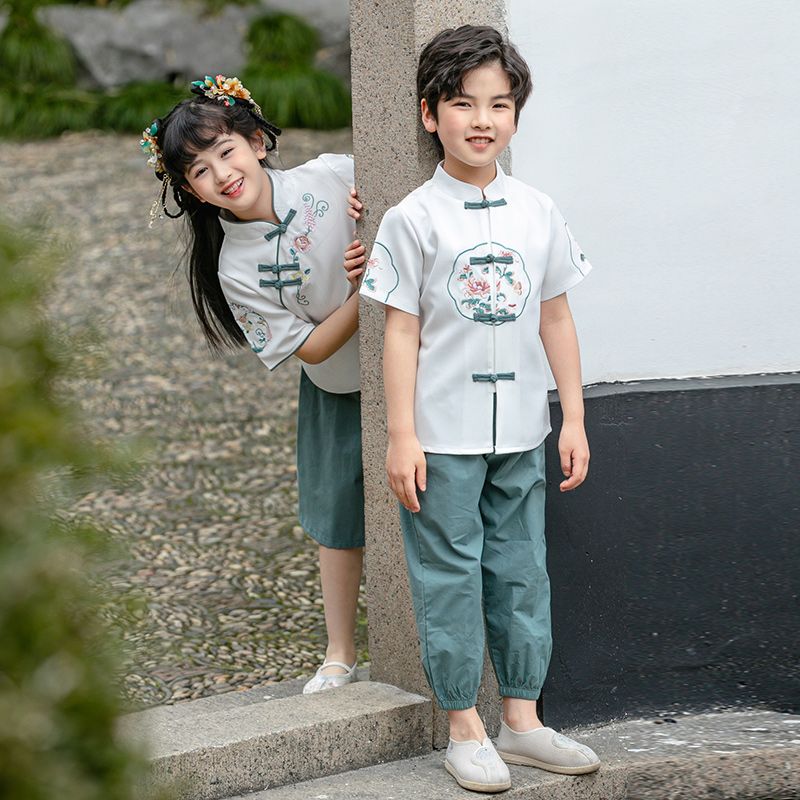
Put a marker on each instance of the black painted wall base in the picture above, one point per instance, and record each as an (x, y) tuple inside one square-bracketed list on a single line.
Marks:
[(675, 568)]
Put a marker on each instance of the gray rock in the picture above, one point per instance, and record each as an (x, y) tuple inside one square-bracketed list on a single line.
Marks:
[(151, 40), (167, 39), (331, 18)]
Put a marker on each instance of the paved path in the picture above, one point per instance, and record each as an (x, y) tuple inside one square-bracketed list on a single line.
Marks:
[(207, 528)]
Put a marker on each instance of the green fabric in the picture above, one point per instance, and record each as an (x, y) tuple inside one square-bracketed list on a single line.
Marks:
[(491, 259), (282, 226), (484, 203), (493, 377), (475, 553), (330, 478), (279, 284)]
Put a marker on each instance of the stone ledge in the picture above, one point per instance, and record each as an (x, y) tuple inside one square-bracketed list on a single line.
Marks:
[(247, 741), (752, 755)]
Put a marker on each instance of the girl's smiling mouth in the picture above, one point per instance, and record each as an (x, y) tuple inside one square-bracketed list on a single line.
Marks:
[(234, 189)]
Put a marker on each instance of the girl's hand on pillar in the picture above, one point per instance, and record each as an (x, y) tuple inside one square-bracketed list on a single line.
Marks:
[(406, 468), (354, 258), (356, 205)]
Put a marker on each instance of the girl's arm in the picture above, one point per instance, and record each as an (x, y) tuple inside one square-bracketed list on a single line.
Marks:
[(330, 334), (557, 331), (405, 460)]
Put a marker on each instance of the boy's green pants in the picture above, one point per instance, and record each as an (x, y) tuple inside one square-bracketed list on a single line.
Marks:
[(476, 553)]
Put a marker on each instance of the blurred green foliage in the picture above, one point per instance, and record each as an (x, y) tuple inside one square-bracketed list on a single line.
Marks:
[(39, 97), (281, 76), (30, 54), (299, 97), (130, 108), (58, 701), (281, 39)]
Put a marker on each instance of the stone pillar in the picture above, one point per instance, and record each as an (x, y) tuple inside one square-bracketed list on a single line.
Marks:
[(393, 156)]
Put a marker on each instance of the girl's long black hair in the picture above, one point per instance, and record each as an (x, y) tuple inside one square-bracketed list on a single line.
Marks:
[(193, 125)]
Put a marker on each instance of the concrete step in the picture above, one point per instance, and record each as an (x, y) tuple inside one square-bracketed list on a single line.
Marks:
[(243, 741), (752, 755)]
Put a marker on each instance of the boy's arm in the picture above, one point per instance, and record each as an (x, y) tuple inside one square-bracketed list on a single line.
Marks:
[(557, 331), (405, 460)]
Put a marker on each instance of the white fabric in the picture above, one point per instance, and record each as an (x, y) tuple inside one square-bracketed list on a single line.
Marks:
[(420, 263), (277, 319)]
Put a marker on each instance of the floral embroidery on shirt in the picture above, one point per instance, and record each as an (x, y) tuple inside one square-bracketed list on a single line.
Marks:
[(381, 277), (253, 325), (576, 254), (313, 210), (302, 243), (478, 271)]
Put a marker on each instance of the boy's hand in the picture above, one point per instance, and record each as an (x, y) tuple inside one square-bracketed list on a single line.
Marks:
[(406, 468), (354, 258), (574, 451), (355, 204)]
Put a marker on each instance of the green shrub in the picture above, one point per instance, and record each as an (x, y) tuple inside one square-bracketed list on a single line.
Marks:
[(131, 108), (301, 97), (47, 111), (281, 39), (58, 702), (39, 97), (30, 54)]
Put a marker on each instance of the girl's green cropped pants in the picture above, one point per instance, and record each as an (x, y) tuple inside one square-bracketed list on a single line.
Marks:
[(476, 555)]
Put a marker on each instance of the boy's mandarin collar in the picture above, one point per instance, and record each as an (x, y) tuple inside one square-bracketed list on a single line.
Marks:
[(468, 191)]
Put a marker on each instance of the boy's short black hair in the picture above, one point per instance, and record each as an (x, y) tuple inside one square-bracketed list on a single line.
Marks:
[(452, 53)]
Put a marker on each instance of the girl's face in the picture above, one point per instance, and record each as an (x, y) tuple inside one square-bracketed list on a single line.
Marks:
[(227, 174)]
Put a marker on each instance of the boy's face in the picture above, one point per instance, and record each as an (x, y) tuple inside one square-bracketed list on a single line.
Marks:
[(475, 126)]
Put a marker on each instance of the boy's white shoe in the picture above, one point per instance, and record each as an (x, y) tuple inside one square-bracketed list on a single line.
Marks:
[(477, 766), (546, 749), (320, 682)]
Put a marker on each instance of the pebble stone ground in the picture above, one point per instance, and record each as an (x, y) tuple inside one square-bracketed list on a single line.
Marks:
[(208, 529)]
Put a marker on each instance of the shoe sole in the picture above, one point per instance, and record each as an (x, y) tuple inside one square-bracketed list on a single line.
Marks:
[(474, 786), (524, 761)]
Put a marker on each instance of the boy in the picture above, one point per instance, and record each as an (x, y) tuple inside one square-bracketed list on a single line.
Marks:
[(472, 268)]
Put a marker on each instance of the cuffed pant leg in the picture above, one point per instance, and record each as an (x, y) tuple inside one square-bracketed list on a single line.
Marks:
[(443, 544), (516, 588)]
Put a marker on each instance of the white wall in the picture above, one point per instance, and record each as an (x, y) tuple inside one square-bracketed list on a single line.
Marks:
[(668, 132)]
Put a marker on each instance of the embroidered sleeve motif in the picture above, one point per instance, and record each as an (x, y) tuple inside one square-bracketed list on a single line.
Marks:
[(381, 277), (576, 254), (483, 271), (253, 325)]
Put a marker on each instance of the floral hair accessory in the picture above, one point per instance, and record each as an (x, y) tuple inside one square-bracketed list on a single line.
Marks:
[(226, 90), (150, 148)]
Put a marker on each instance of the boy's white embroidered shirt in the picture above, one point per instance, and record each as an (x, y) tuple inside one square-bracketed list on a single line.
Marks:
[(282, 280), (475, 268)]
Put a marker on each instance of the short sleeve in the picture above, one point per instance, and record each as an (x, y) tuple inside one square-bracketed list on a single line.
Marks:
[(394, 267), (567, 265), (273, 332), (342, 166)]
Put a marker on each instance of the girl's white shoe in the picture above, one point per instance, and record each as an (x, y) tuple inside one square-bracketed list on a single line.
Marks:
[(320, 682)]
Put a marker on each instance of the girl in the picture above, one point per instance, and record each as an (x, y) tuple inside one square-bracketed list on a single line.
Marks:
[(264, 270)]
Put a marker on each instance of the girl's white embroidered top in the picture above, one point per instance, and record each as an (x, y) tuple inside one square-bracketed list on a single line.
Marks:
[(475, 268), (281, 280)]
